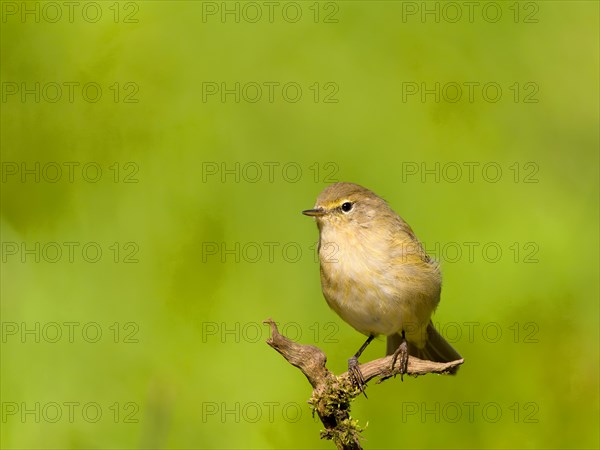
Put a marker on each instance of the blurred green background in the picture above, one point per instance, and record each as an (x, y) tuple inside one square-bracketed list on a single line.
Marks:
[(198, 247)]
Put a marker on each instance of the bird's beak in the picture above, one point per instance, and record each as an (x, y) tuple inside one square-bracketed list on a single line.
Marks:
[(317, 212)]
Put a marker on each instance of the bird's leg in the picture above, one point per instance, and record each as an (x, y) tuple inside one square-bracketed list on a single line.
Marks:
[(401, 351), (354, 370)]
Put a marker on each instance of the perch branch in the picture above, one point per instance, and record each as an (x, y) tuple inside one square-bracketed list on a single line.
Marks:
[(332, 394)]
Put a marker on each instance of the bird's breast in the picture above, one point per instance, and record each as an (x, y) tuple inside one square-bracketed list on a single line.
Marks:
[(370, 287)]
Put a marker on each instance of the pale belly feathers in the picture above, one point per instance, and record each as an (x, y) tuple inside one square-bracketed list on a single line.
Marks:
[(376, 289)]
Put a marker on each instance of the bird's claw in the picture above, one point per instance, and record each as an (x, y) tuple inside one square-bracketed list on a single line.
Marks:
[(356, 375), (402, 352)]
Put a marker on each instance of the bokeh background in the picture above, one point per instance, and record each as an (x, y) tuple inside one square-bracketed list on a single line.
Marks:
[(198, 247)]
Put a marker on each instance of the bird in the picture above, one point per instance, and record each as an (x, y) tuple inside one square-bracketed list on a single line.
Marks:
[(376, 275)]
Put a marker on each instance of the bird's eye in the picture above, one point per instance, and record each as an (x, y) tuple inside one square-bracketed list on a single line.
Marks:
[(347, 207)]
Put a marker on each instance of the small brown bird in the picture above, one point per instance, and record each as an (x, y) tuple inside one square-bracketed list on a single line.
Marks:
[(376, 275)]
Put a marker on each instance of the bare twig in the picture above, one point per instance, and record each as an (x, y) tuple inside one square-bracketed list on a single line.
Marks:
[(332, 394)]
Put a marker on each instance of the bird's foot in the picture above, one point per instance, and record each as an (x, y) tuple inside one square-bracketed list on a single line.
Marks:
[(401, 352), (356, 375)]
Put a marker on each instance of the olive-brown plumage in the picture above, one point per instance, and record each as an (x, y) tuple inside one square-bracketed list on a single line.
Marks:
[(375, 273)]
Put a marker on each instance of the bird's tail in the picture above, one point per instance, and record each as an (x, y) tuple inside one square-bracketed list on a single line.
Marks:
[(436, 347)]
